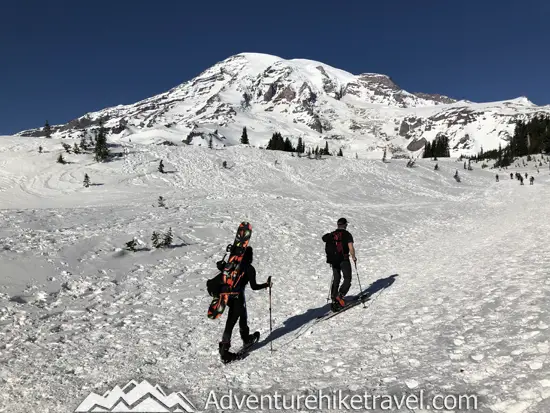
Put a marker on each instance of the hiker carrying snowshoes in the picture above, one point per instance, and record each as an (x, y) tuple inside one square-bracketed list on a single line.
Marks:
[(339, 248), (237, 308)]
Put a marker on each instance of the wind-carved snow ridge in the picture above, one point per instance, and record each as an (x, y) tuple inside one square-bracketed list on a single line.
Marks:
[(303, 98), (457, 275)]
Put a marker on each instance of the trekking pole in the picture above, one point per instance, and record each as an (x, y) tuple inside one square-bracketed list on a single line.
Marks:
[(359, 281), (270, 320)]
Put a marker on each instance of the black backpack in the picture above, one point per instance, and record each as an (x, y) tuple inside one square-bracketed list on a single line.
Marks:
[(214, 285), (334, 247)]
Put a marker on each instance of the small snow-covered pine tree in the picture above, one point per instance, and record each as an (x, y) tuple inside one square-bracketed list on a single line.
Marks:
[(161, 202), (86, 181), (131, 245), (155, 238), (40, 149), (48, 130), (167, 240), (244, 137), (101, 147), (60, 159)]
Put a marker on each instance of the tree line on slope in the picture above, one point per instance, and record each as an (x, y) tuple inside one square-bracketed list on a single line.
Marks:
[(438, 148), (530, 137)]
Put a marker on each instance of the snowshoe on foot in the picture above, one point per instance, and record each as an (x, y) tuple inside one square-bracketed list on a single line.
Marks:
[(225, 354), (251, 339)]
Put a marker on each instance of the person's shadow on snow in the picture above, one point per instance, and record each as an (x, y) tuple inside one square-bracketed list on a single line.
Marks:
[(297, 321)]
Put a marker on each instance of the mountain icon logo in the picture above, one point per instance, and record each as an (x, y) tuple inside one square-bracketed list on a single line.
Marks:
[(136, 397)]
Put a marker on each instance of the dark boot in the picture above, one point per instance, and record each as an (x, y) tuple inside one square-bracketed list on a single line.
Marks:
[(337, 303), (225, 354), (251, 338)]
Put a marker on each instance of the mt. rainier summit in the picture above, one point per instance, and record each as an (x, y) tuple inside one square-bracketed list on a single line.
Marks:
[(307, 99)]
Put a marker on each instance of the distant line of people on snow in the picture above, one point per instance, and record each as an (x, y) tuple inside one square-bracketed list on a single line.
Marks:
[(519, 177)]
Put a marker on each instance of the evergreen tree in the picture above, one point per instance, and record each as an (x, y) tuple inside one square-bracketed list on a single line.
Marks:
[(101, 147), (131, 245), (326, 151), (300, 148), (40, 149), (210, 143), (60, 159), (287, 146), (244, 137), (439, 147), (155, 238), (83, 145), (86, 181), (161, 167), (48, 130), (161, 202), (340, 153), (428, 151), (67, 147), (167, 240), (277, 143), (76, 149), (384, 156)]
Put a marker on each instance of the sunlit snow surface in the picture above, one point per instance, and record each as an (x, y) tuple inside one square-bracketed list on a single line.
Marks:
[(467, 312)]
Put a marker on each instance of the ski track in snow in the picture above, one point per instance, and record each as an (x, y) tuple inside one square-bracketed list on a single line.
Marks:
[(467, 311)]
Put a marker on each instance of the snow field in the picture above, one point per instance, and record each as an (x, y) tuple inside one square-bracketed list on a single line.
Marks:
[(467, 311)]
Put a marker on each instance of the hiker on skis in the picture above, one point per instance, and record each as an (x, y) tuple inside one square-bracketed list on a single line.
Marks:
[(339, 250), (237, 308)]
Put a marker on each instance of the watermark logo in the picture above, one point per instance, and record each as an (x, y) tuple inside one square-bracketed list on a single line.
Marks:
[(136, 397)]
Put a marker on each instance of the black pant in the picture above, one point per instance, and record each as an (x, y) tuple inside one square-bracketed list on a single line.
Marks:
[(337, 269), (237, 311)]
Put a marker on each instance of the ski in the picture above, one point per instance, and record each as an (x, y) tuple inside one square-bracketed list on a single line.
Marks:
[(354, 301), (231, 271)]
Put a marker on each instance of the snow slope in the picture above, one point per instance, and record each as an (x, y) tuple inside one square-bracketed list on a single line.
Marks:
[(458, 271), (303, 99)]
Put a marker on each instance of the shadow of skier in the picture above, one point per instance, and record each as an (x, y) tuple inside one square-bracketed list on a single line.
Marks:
[(297, 321)]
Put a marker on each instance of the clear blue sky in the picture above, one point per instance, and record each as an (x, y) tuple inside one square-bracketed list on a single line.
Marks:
[(61, 59)]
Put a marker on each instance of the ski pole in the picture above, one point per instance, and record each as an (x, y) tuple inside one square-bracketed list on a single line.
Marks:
[(359, 281), (270, 319)]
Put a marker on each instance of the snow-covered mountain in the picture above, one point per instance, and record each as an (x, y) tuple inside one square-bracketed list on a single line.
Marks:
[(303, 98)]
